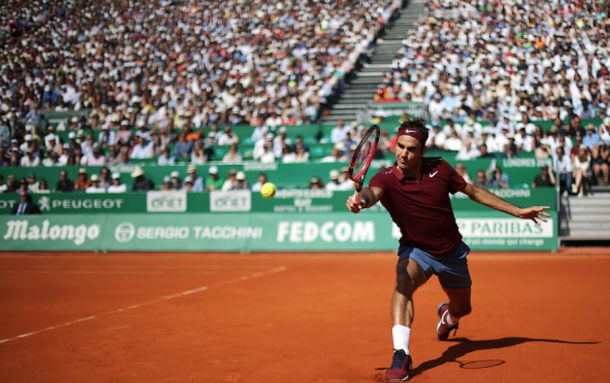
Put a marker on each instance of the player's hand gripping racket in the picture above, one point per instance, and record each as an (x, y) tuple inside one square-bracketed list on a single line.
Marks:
[(361, 160)]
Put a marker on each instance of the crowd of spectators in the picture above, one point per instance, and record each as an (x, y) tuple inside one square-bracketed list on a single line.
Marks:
[(174, 63)]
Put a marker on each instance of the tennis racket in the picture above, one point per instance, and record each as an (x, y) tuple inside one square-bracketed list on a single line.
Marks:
[(361, 160)]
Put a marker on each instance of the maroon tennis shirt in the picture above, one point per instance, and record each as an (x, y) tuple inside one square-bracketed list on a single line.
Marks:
[(421, 208)]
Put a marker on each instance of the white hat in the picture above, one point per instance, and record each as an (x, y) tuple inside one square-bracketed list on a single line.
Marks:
[(240, 176), (213, 170), (95, 178), (28, 137), (72, 135), (602, 105), (51, 137), (523, 108), (340, 146), (191, 169), (74, 119), (29, 128), (283, 129), (188, 179), (607, 121), (175, 174), (116, 176), (334, 174), (137, 172), (269, 136)]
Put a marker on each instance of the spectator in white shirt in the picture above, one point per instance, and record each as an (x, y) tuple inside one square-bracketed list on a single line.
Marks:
[(95, 185), (262, 179), (562, 164), (106, 137), (338, 132), (334, 183), (523, 141), (453, 143), (228, 137), (117, 186), (29, 159), (280, 140), (140, 149), (337, 154), (97, 159), (468, 152)]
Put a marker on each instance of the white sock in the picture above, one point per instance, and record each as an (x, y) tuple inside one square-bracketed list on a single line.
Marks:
[(401, 335)]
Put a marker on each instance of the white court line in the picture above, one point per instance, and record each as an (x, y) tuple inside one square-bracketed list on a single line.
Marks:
[(161, 299)]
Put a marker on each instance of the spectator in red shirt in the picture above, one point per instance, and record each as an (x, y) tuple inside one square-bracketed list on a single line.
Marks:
[(415, 191)]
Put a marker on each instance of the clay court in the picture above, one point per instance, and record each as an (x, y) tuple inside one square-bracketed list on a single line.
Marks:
[(294, 318)]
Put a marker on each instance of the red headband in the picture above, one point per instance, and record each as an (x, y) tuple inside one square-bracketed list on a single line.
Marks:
[(419, 136)]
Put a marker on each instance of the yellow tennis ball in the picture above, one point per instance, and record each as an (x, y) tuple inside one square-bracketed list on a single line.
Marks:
[(268, 190)]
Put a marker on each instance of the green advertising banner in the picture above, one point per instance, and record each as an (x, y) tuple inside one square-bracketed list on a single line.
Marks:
[(285, 201), (256, 232)]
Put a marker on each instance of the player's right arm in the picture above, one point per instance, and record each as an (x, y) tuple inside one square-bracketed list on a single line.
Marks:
[(370, 196)]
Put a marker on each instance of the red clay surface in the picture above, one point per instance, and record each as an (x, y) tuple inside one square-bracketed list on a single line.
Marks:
[(294, 318)]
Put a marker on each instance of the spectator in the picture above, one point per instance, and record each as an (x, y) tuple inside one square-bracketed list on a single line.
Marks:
[(166, 158), (52, 144), (337, 154), (468, 152), (183, 148), (141, 183), (97, 158), (262, 179), (33, 185), (300, 154), (95, 185), (241, 183), (604, 131), (228, 137), (461, 170), (481, 180), (3, 187), (497, 179), (30, 159), (484, 152), (338, 134), (157, 147), (82, 182), (26, 206), (117, 186), (599, 159), (510, 153), (316, 184), (105, 178), (280, 140), (546, 178), (64, 184), (287, 155), (581, 166), (16, 157), (198, 156), (175, 179), (563, 168), (141, 149), (106, 137), (591, 138), (334, 183), (188, 184), (197, 181), (268, 155), (232, 156), (43, 187), (230, 182), (4, 158), (167, 184), (87, 145), (213, 182)]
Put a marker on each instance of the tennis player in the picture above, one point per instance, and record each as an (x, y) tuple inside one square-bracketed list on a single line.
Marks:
[(415, 191)]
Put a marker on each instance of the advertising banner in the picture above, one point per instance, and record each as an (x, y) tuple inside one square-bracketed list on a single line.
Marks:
[(256, 232), (238, 202)]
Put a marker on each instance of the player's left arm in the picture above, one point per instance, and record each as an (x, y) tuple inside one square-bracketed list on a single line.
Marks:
[(484, 197)]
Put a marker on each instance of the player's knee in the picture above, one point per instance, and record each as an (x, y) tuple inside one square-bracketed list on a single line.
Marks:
[(404, 284)]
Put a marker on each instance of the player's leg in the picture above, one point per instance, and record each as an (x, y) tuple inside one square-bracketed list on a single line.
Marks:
[(409, 276), (454, 276)]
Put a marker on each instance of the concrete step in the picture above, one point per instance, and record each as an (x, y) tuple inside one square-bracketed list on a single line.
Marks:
[(587, 201), (585, 225), (563, 215), (353, 105), (357, 96), (590, 234), (597, 210)]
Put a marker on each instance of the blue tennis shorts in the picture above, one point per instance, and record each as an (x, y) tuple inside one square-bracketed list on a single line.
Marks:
[(452, 269)]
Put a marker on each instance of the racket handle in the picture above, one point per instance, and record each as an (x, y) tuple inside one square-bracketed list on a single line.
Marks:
[(357, 197)]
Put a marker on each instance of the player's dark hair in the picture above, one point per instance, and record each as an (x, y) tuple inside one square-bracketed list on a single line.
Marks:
[(418, 124)]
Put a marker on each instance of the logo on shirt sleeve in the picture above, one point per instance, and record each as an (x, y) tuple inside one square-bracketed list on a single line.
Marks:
[(432, 174)]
